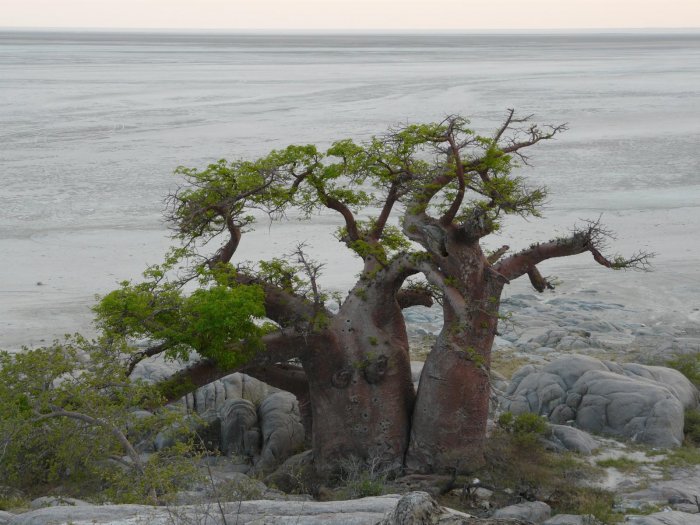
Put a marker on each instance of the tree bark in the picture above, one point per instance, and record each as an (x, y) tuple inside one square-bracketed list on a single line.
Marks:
[(360, 385), (451, 410)]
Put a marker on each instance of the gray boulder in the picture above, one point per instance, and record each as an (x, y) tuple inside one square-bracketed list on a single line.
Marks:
[(6, 517), (364, 511), (56, 501), (673, 517), (232, 386), (240, 434), (572, 439), (281, 428), (572, 519), (419, 508), (642, 403), (415, 508), (294, 475), (681, 488), (533, 511)]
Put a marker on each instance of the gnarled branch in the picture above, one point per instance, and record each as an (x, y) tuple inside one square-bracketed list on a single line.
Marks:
[(279, 347)]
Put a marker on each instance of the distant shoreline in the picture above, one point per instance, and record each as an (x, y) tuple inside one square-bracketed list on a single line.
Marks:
[(370, 32)]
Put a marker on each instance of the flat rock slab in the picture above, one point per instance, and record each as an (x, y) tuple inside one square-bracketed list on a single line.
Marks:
[(572, 519), (532, 511), (354, 512), (683, 486), (665, 518), (414, 508)]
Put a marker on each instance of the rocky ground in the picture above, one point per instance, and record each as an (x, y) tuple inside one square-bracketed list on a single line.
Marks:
[(585, 363)]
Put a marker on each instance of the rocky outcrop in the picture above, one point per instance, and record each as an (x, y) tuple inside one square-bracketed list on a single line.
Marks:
[(561, 437), (572, 519), (410, 509), (237, 415), (665, 518), (240, 435), (282, 430), (536, 512), (642, 403)]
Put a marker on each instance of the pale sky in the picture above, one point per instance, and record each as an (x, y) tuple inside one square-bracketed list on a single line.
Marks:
[(351, 14)]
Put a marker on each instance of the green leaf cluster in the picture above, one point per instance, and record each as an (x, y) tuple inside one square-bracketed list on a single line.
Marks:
[(219, 319), (60, 407)]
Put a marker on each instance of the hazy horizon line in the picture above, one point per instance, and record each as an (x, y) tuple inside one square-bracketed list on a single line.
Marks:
[(288, 31)]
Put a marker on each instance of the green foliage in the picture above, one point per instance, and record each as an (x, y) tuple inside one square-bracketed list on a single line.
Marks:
[(218, 320), (681, 457), (691, 427), (523, 468), (66, 409), (623, 464), (523, 425), (688, 365), (165, 473)]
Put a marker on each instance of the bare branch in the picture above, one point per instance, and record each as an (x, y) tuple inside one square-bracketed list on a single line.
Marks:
[(415, 296), (280, 347), (137, 357), (312, 270), (391, 199), (456, 159), (589, 239), (334, 204), (538, 282), (495, 256)]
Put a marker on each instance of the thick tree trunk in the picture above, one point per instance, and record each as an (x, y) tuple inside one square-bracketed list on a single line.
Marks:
[(451, 410), (360, 386)]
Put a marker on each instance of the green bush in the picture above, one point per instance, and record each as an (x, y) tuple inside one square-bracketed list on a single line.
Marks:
[(527, 427), (69, 417), (518, 467), (688, 365), (691, 427)]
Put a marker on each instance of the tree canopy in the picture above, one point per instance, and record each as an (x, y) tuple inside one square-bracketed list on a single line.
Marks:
[(416, 203)]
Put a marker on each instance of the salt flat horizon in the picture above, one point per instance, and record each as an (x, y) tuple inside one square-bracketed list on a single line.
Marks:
[(95, 126)]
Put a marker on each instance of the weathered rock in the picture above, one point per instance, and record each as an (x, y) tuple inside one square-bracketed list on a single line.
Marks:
[(682, 487), (572, 519), (572, 439), (293, 475), (533, 511), (366, 511), (233, 386), (282, 430), (415, 508), (642, 403), (6, 517), (240, 434), (419, 508), (673, 517), (56, 501)]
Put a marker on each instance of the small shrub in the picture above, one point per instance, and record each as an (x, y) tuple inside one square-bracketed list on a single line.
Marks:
[(688, 365), (586, 501), (691, 427), (524, 428), (681, 457), (362, 478), (519, 467)]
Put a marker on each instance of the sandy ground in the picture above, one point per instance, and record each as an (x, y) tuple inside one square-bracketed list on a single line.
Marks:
[(49, 292), (96, 128)]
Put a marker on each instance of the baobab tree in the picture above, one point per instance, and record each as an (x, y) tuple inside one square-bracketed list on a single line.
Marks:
[(432, 193)]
